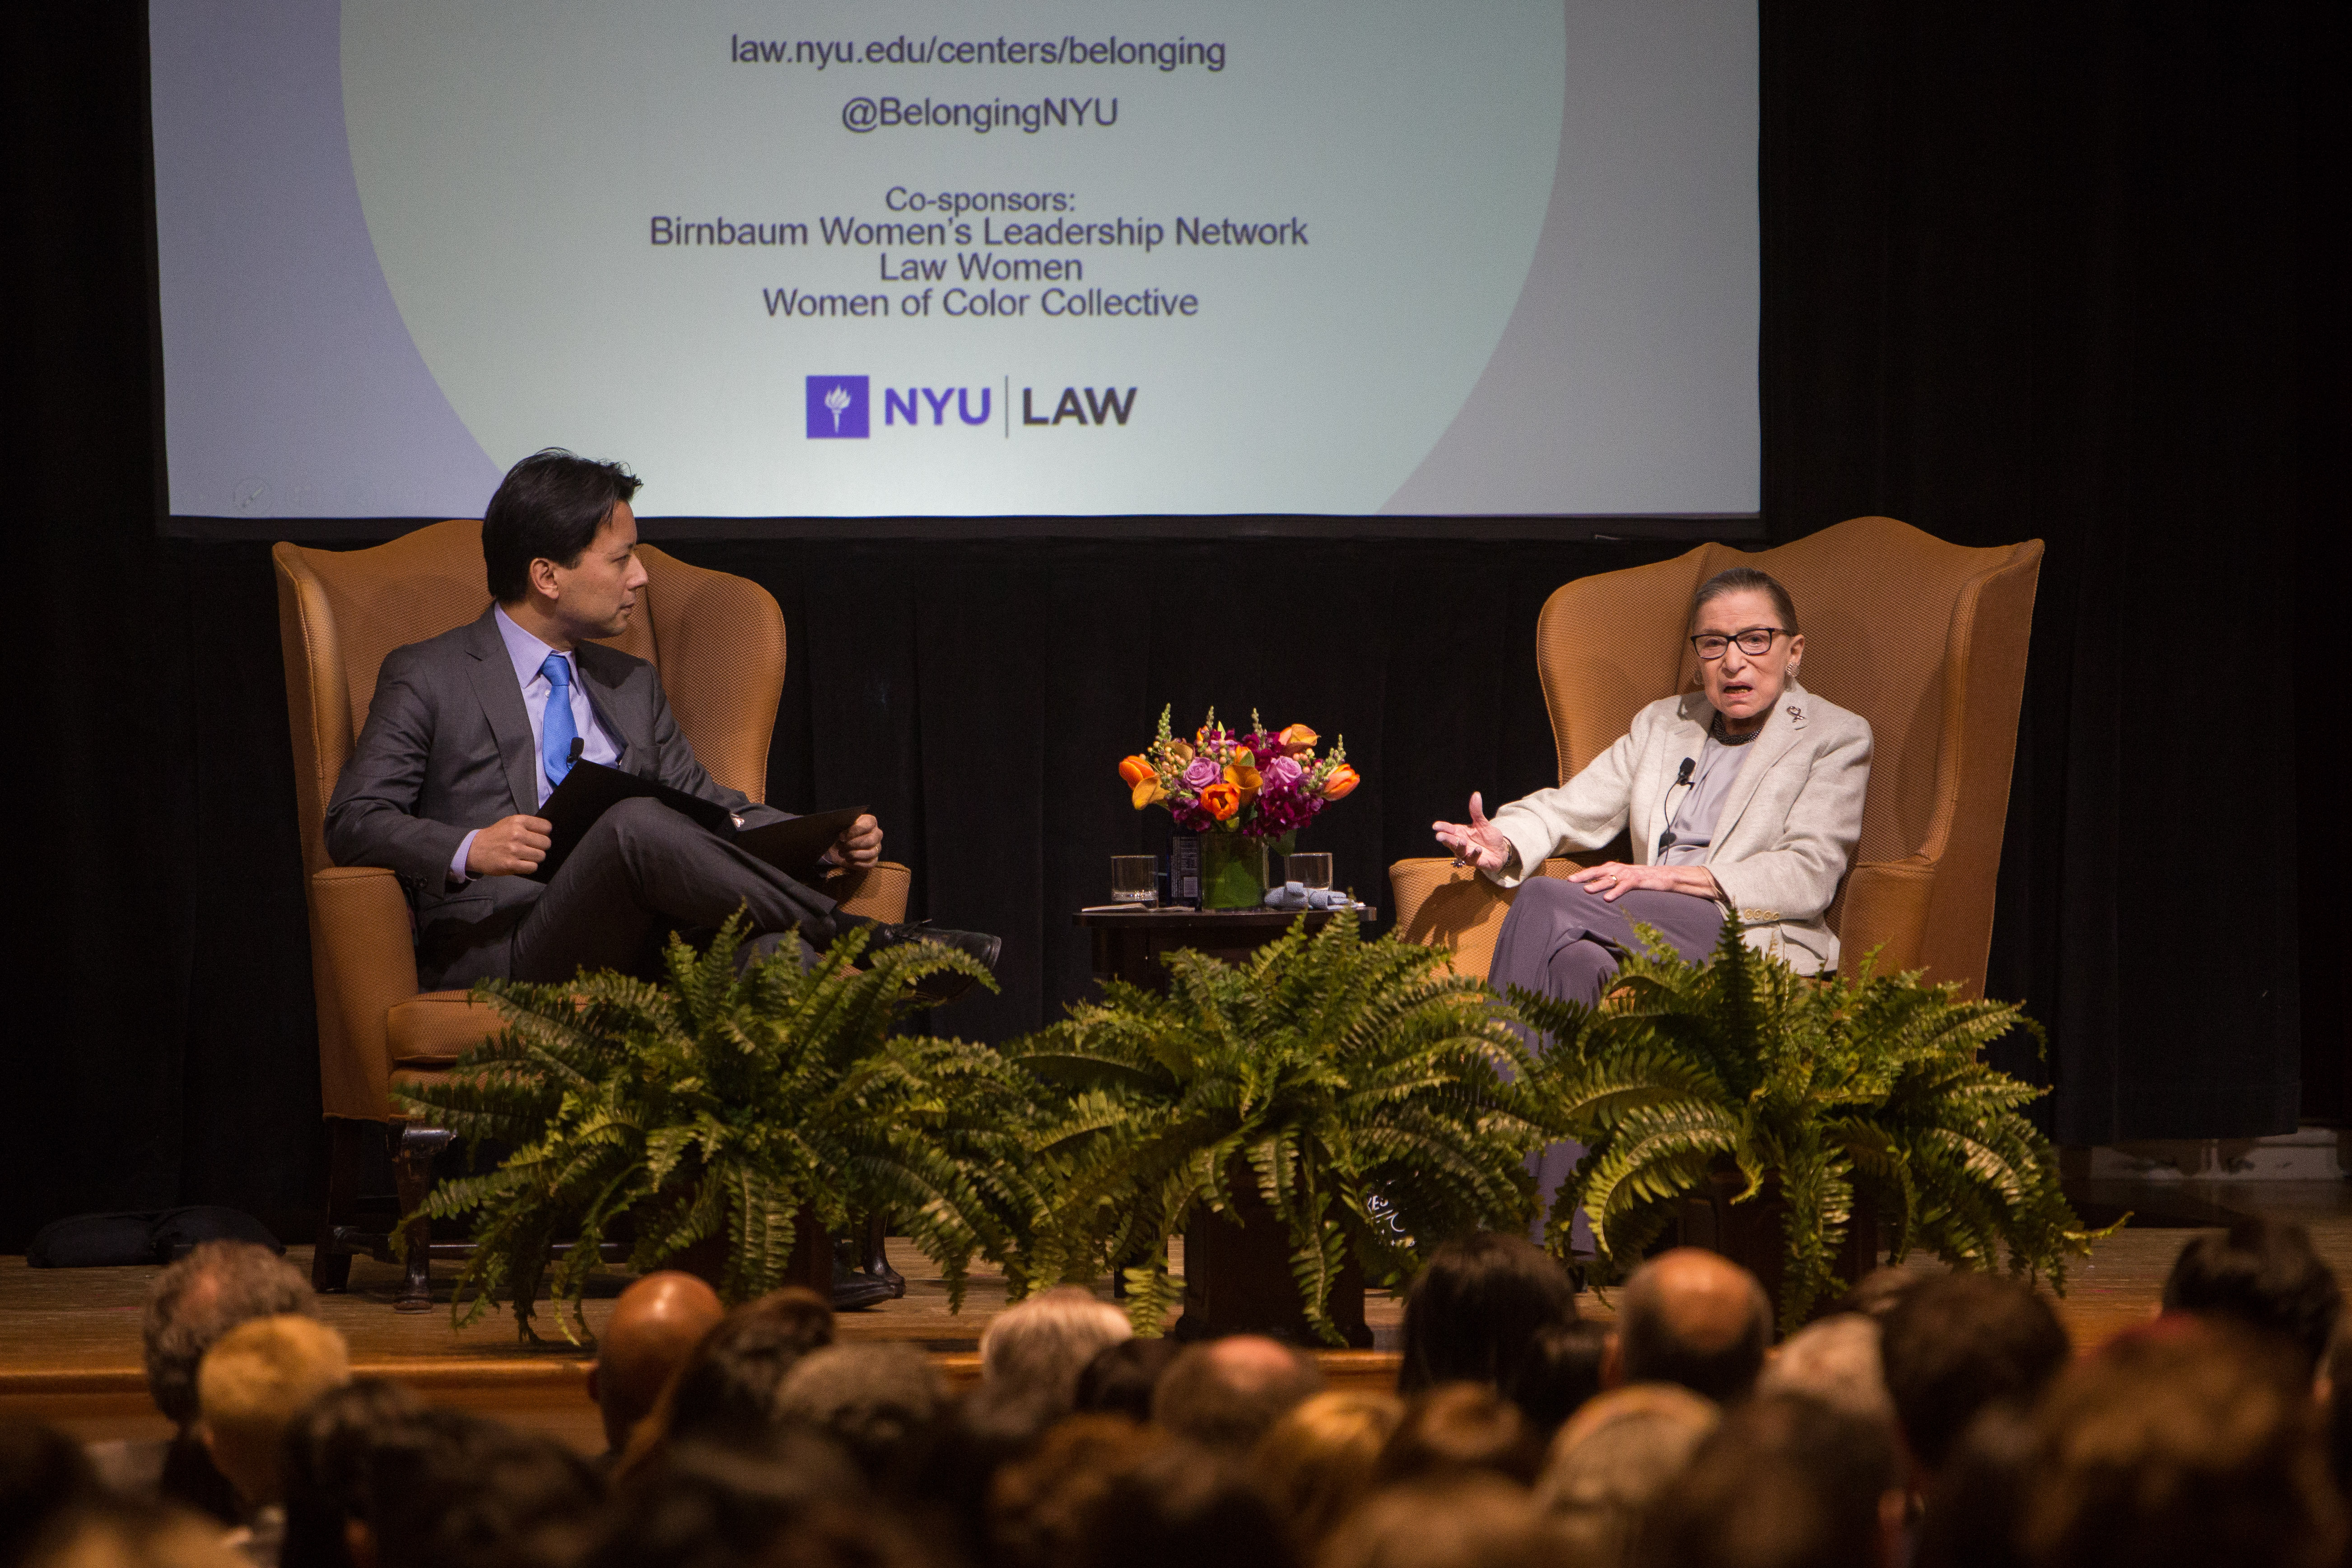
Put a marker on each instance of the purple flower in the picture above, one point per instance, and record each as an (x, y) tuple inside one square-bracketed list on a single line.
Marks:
[(1200, 772), (1281, 773)]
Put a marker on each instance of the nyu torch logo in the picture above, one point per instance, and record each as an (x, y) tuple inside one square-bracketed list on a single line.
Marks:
[(836, 408)]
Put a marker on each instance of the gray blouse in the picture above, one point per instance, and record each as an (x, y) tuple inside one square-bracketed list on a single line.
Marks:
[(1692, 825)]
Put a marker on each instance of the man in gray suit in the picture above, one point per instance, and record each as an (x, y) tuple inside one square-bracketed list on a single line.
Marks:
[(470, 731)]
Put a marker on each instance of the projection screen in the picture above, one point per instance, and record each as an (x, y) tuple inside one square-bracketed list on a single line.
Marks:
[(1069, 258)]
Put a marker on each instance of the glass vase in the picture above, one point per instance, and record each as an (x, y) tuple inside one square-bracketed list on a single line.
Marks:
[(1233, 872)]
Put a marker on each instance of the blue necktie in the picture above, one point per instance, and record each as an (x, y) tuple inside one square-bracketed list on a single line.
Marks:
[(555, 730)]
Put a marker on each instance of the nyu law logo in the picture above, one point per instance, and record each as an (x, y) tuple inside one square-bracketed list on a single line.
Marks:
[(837, 408)]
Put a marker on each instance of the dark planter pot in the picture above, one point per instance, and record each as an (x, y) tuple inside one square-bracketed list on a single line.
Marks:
[(1754, 1234), (1237, 1279), (811, 1265)]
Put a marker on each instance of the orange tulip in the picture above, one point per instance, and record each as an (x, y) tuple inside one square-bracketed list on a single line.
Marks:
[(1147, 790), (1245, 779), (1223, 800), (1135, 770), (1342, 783), (1298, 738)]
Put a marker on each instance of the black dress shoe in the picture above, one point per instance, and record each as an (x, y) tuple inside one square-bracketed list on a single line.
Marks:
[(852, 1289), (947, 985)]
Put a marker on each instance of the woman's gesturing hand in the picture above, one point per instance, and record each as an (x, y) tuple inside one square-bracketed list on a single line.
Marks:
[(1616, 878), (1477, 842)]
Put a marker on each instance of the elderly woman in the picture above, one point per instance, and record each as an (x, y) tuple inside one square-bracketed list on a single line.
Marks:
[(1743, 795)]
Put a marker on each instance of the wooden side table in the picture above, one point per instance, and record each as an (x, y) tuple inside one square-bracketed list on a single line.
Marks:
[(1130, 944)]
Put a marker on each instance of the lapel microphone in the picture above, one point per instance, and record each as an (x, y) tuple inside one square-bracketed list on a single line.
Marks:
[(579, 746), (1682, 777)]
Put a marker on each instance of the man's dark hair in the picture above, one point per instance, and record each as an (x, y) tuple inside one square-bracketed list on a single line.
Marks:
[(1472, 1310), (447, 1489), (1785, 1482), (325, 1461), (703, 1506), (726, 1392), (1976, 1504), (217, 1286), (2262, 1275), (881, 1402), (1956, 1344), (1655, 1346), (1559, 1371), (1180, 1508), (548, 506), (1225, 1394), (1119, 1381)]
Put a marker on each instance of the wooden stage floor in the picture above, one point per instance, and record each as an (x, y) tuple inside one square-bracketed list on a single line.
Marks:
[(70, 1349)]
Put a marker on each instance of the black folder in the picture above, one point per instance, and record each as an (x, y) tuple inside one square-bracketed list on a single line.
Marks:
[(592, 789)]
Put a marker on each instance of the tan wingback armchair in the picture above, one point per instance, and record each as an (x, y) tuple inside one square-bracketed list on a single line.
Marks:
[(717, 641), (1925, 640)]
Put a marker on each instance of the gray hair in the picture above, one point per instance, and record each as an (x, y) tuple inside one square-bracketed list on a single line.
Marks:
[(217, 1286), (1035, 1350)]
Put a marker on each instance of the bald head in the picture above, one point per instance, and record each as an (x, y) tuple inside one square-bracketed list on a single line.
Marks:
[(656, 1324), (1694, 1317), (1225, 1394)]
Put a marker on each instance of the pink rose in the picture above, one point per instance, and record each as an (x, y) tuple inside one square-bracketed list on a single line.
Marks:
[(1200, 772), (1281, 772)]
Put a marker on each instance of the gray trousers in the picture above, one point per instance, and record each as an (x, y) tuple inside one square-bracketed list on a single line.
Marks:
[(1562, 941), (642, 872)]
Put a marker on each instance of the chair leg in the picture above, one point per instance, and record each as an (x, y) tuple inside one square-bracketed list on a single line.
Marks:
[(412, 1169), (878, 1256), (330, 1262)]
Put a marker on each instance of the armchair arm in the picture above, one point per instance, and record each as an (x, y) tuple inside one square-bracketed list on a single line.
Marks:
[(1440, 904), (878, 892), (361, 923), (1885, 905)]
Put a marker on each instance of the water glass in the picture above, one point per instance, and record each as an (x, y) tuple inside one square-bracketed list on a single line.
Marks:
[(1311, 871), (1135, 879)]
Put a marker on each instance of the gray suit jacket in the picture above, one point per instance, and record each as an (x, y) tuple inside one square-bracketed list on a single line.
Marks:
[(447, 749)]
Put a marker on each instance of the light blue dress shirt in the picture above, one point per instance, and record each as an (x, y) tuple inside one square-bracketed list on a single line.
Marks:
[(528, 654)]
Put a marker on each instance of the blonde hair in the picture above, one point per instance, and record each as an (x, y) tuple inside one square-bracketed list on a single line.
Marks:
[(1315, 1464), (254, 1382)]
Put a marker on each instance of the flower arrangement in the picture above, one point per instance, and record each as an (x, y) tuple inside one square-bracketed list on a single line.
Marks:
[(1256, 782)]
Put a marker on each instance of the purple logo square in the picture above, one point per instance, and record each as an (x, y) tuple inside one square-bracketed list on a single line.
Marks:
[(836, 407)]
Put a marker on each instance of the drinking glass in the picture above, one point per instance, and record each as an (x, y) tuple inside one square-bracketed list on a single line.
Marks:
[(1135, 879), (1310, 870)]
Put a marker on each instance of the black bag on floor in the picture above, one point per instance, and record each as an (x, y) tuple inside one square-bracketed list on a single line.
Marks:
[(157, 1236)]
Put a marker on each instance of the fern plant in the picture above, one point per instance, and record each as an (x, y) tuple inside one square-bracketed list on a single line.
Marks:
[(724, 1103), (1829, 1085), (1326, 1070)]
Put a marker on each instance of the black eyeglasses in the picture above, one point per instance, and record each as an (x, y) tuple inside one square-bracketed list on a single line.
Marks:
[(1753, 642)]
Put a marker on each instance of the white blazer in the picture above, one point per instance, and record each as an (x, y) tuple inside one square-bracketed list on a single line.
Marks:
[(1788, 829)]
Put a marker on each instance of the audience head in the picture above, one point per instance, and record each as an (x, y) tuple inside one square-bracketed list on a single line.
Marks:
[(703, 1505), (726, 1389), (656, 1324), (1957, 1343), (1470, 1521), (1035, 1350), (217, 1286), (1692, 1316), (1040, 1508), (43, 1475), (1613, 1458), (2263, 1276), (1875, 1293), (447, 1489), (1225, 1394), (252, 1385), (1472, 1310), (878, 1401), (1177, 1507), (1119, 1381), (2194, 1446), (1836, 1361), (107, 1532), (1783, 1482), (1317, 1462), (326, 1458), (549, 507), (1559, 1371), (1456, 1428), (1976, 1501)]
